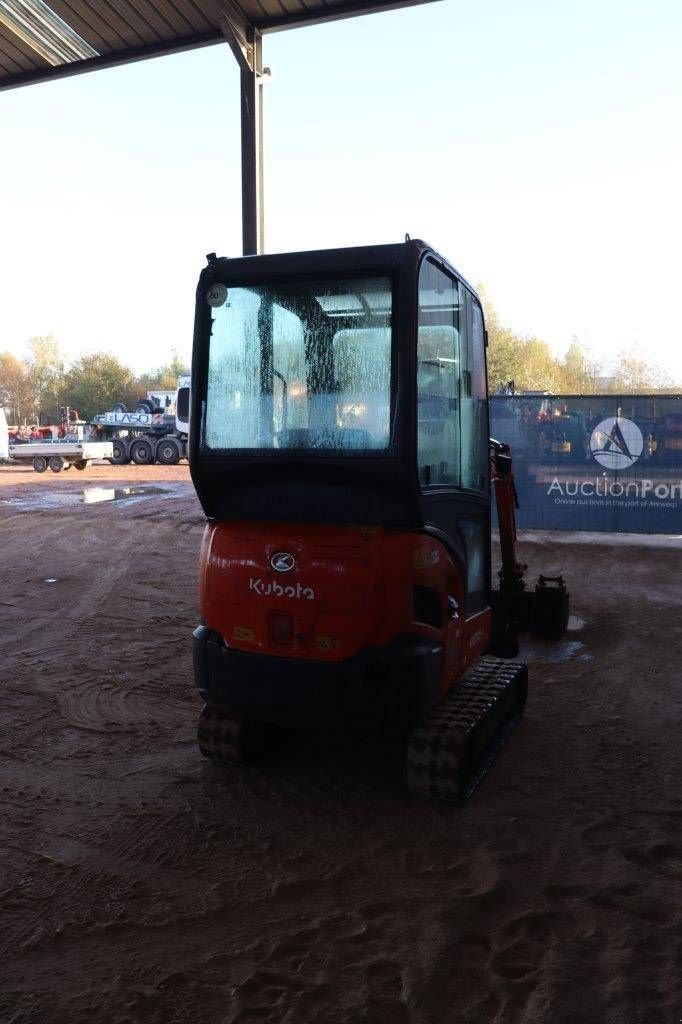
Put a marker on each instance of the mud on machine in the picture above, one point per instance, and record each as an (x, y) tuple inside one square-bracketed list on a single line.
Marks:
[(340, 449)]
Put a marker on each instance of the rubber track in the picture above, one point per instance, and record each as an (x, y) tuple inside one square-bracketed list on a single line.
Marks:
[(452, 749), (220, 735)]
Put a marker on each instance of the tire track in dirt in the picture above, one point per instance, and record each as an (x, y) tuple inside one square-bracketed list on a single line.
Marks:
[(89, 597), (142, 884), (112, 699)]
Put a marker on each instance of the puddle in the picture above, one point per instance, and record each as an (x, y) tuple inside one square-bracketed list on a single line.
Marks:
[(63, 850), (575, 623), (50, 579), (94, 496), (553, 652)]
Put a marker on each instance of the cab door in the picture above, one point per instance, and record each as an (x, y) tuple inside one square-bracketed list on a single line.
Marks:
[(452, 425)]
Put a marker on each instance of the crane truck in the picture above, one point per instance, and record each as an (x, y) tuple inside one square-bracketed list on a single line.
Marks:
[(155, 430), (342, 457)]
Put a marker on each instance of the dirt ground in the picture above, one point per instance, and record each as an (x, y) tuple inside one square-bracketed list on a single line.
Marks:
[(138, 882)]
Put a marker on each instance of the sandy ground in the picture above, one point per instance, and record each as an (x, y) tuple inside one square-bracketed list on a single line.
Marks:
[(141, 883)]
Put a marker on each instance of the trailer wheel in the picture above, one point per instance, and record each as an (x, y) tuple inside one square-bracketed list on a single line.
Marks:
[(168, 452), (82, 463), (56, 463), (141, 452), (120, 456), (40, 463), (119, 407), (144, 405)]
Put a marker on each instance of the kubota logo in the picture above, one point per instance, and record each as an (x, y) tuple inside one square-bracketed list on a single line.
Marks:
[(299, 591), (616, 442), (282, 561)]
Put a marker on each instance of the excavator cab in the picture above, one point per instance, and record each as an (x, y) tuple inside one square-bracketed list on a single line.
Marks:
[(340, 450)]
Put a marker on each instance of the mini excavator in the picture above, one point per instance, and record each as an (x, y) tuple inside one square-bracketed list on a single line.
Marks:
[(340, 449)]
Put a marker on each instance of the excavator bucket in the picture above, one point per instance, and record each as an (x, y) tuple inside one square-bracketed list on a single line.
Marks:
[(550, 607)]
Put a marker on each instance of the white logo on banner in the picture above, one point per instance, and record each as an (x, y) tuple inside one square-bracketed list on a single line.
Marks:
[(616, 442)]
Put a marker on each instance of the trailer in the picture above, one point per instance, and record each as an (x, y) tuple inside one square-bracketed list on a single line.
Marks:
[(59, 455), (149, 432)]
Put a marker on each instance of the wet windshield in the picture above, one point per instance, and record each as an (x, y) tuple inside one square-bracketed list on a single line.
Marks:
[(300, 366)]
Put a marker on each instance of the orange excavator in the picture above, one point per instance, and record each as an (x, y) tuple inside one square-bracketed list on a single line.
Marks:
[(340, 449)]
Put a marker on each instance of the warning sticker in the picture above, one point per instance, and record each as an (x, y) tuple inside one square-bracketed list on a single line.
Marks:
[(326, 643), (242, 633), (424, 557)]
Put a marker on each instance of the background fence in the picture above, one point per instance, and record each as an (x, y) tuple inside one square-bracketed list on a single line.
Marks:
[(594, 462)]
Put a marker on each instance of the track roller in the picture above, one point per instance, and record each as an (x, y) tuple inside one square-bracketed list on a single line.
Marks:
[(451, 750)]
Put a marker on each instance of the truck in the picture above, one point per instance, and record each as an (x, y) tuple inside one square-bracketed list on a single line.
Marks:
[(155, 430)]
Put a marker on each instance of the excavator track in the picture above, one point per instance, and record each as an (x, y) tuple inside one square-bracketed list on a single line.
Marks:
[(221, 735), (452, 749), (233, 739)]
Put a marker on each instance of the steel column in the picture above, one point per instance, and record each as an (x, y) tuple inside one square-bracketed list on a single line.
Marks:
[(246, 43), (252, 148)]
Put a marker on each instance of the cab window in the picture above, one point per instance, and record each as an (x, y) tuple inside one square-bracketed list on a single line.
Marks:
[(438, 373), (301, 365), (473, 400)]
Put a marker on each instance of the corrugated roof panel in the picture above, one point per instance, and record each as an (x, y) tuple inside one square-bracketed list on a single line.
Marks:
[(41, 40), (207, 8), (159, 17), (13, 59), (19, 52), (131, 15), (193, 15), (37, 26), (99, 24), (294, 7), (264, 9)]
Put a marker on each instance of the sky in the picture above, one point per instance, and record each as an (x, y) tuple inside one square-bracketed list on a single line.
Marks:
[(536, 145)]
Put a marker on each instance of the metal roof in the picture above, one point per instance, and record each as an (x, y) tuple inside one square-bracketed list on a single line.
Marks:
[(40, 41)]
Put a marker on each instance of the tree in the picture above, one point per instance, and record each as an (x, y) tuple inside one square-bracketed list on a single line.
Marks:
[(633, 374), (503, 355), (95, 382), (579, 373), (527, 361), (45, 367), (16, 393), (164, 378)]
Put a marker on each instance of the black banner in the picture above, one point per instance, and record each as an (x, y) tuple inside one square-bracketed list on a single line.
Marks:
[(594, 462)]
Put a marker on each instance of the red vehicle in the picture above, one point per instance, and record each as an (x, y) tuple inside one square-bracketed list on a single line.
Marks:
[(343, 461)]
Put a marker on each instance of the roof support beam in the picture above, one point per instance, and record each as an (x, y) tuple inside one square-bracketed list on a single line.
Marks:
[(246, 43), (253, 214)]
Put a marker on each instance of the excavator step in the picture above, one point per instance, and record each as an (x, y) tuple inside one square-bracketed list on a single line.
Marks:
[(452, 749)]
